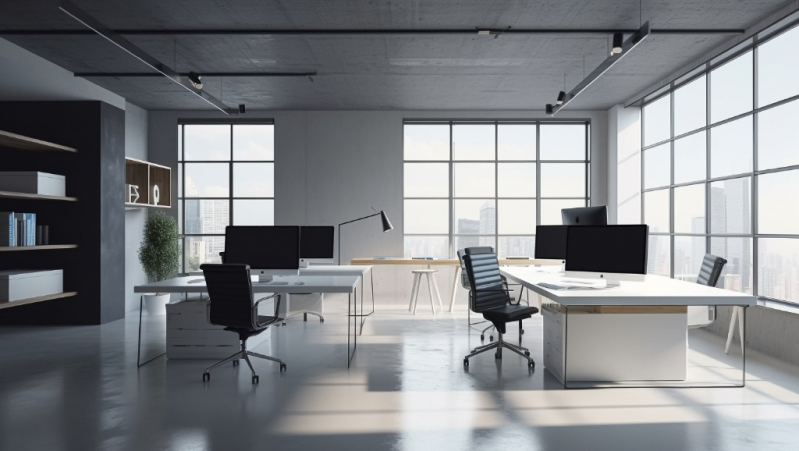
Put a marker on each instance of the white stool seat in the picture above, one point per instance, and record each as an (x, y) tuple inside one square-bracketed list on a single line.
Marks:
[(430, 274)]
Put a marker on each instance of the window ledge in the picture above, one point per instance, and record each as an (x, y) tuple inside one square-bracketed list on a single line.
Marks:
[(778, 305)]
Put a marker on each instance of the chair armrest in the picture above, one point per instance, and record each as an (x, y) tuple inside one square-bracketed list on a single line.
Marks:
[(277, 303)]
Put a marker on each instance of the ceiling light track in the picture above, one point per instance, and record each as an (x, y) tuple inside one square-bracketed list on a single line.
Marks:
[(93, 24), (186, 74), (636, 38)]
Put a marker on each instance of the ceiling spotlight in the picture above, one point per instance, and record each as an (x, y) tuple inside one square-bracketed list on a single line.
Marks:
[(561, 98), (618, 39), (549, 109), (242, 108), (483, 32), (196, 80)]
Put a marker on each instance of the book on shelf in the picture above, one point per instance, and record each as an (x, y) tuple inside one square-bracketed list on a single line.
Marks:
[(8, 229), (24, 228)]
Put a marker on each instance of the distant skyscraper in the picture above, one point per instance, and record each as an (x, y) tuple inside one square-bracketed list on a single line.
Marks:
[(488, 218)]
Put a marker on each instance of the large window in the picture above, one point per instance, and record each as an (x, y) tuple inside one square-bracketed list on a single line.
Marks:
[(721, 169), (226, 175), (489, 183)]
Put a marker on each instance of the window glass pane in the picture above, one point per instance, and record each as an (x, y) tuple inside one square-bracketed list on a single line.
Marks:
[(690, 158), (731, 87), (516, 179), (688, 254), (689, 209), (475, 180), (180, 180), (475, 216), (550, 209), (731, 148), (473, 142), (778, 136), (207, 180), (516, 142), (659, 258), (563, 180), (180, 217), (656, 211), (462, 242), (563, 142), (180, 142), (426, 216), (206, 216), (690, 104), (657, 121), (517, 217), (516, 246), (426, 246), (426, 180), (254, 212), (254, 142), (730, 206), (657, 164), (202, 249), (778, 198), (778, 68), (207, 142), (778, 268), (253, 179), (426, 142), (737, 273)]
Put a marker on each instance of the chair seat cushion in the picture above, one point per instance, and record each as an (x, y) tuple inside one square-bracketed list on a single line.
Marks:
[(509, 312)]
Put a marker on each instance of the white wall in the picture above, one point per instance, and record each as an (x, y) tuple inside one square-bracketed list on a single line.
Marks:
[(135, 147), (332, 166), (624, 165)]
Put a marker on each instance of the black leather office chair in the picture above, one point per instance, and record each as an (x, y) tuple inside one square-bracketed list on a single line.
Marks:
[(490, 297), (709, 274), (232, 306)]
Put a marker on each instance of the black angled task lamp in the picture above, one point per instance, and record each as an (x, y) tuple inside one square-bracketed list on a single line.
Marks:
[(383, 218)]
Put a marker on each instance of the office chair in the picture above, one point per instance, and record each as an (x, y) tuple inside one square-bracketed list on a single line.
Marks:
[(709, 274), (465, 284), (490, 297), (232, 306)]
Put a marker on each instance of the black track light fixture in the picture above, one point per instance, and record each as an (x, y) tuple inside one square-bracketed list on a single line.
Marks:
[(618, 39), (196, 80), (242, 108), (561, 98), (549, 108)]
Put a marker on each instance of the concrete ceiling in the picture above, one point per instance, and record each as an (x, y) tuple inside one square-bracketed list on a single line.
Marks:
[(408, 72)]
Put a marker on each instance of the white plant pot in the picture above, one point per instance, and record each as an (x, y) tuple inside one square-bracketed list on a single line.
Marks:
[(155, 304)]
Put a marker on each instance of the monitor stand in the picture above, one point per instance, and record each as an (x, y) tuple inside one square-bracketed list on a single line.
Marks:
[(304, 263)]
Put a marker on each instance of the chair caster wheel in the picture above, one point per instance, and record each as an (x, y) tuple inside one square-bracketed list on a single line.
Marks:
[(284, 323), (521, 331), (235, 363), (206, 377), (482, 337), (255, 379), (531, 365), (321, 320), (527, 353), (490, 338), (282, 367), (497, 356), (466, 362)]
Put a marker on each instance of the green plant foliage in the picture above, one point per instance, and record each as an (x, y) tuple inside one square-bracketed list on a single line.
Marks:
[(159, 253)]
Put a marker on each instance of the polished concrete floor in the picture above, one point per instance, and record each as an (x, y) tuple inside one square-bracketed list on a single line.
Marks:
[(78, 388)]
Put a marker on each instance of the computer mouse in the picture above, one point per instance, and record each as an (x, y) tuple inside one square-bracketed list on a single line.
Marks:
[(299, 283)]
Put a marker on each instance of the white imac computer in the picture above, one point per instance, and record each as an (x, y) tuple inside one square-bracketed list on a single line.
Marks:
[(269, 250), (317, 245), (612, 253)]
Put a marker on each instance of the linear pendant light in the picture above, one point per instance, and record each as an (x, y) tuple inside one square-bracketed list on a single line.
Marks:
[(185, 81), (631, 42)]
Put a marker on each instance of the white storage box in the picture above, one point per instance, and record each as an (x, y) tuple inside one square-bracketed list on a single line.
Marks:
[(18, 284), (33, 183)]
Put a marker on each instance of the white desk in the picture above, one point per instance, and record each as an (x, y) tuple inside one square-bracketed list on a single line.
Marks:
[(328, 270), (312, 284), (633, 332)]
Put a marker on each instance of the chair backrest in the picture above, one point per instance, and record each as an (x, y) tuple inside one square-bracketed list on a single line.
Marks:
[(479, 250), (464, 276), (488, 290), (230, 291), (710, 271)]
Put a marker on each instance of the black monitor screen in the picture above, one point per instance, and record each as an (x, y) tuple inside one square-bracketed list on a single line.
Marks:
[(263, 247), (614, 248), (589, 216), (550, 242), (317, 241)]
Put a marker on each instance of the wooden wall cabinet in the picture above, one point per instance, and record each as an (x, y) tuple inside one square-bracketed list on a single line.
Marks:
[(153, 182)]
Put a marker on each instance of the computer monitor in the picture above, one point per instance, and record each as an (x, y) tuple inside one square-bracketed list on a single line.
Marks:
[(269, 250), (550, 241), (589, 216), (317, 244), (614, 252)]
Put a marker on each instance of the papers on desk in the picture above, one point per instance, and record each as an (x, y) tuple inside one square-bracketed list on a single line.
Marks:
[(574, 284)]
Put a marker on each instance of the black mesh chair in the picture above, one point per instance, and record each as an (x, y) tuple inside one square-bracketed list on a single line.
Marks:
[(232, 306), (490, 297)]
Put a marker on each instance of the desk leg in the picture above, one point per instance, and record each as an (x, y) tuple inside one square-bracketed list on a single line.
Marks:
[(352, 316), (742, 326), (139, 363), (455, 287)]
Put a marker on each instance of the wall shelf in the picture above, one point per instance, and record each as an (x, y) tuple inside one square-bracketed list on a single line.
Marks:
[(148, 177), (15, 141), (15, 195), (132, 206), (67, 294), (37, 248)]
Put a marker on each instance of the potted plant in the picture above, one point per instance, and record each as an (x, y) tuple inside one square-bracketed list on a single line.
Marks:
[(159, 255)]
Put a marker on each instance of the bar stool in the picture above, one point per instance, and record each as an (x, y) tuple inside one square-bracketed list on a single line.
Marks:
[(431, 284)]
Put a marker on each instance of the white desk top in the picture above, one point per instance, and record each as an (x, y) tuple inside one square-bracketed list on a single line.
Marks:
[(335, 270), (654, 290), (313, 284)]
